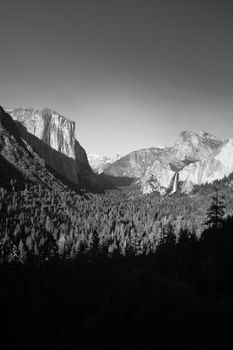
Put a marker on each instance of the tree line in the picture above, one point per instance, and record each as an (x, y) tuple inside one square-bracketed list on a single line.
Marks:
[(41, 223)]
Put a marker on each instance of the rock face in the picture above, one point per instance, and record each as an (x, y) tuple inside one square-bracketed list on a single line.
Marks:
[(98, 162), (191, 147), (134, 164), (196, 158), (215, 167), (52, 136), (19, 161), (47, 125)]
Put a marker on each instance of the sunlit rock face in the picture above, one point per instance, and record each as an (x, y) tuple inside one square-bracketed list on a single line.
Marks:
[(196, 158), (134, 164), (215, 167), (19, 161), (192, 146), (50, 127), (52, 136), (158, 178), (151, 166)]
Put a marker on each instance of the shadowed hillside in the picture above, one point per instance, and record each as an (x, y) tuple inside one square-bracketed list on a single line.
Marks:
[(179, 296)]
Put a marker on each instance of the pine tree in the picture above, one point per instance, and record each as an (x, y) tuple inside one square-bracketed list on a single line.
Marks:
[(95, 243), (167, 236), (22, 252), (216, 211)]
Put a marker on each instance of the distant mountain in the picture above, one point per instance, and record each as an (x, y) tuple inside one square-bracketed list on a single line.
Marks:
[(98, 162), (196, 158)]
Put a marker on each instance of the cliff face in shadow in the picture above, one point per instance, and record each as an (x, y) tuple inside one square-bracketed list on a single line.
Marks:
[(81, 158), (77, 171)]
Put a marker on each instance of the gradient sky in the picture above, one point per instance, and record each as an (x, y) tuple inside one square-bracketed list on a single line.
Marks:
[(132, 74)]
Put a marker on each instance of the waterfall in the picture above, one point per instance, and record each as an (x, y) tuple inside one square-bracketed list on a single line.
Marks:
[(175, 183)]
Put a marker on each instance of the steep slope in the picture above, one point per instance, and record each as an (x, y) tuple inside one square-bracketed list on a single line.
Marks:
[(52, 136), (191, 147), (48, 126), (20, 162), (210, 169), (135, 163)]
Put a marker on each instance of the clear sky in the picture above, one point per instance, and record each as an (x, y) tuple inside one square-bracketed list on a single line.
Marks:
[(131, 73)]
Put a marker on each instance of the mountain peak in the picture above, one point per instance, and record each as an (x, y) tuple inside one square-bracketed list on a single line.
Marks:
[(198, 139), (208, 136), (157, 169), (188, 138), (187, 134), (205, 134), (193, 146), (36, 110)]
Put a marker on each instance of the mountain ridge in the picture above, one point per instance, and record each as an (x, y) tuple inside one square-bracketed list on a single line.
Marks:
[(63, 156), (194, 159), (201, 154)]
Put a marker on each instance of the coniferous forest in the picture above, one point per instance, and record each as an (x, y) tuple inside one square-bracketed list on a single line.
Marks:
[(116, 270)]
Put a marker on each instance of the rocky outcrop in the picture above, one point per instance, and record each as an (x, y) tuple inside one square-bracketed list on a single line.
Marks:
[(215, 167), (18, 160), (135, 164), (191, 147), (196, 158), (50, 127), (52, 136)]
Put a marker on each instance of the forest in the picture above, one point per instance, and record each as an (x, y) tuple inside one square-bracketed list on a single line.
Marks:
[(116, 270), (41, 222)]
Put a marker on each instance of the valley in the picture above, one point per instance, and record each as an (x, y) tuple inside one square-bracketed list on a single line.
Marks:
[(116, 175), (81, 246)]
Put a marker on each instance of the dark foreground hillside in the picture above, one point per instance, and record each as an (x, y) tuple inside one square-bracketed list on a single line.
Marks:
[(180, 296)]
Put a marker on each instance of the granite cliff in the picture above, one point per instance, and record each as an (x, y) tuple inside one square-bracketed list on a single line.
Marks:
[(195, 159), (52, 136)]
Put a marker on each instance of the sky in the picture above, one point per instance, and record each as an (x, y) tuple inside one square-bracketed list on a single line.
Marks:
[(131, 73)]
